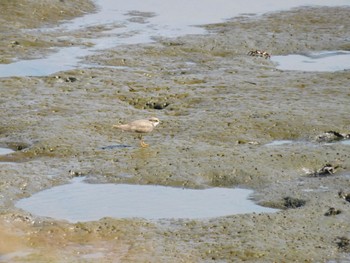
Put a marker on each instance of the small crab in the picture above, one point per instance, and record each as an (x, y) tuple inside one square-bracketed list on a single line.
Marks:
[(344, 195), (332, 212), (259, 53), (326, 170)]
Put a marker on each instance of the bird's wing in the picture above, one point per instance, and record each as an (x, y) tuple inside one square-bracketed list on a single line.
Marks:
[(141, 127)]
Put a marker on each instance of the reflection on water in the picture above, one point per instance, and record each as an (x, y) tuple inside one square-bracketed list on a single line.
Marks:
[(134, 21), (290, 142), (279, 142), (80, 201), (4, 151), (14, 256), (346, 142), (64, 59), (320, 61), (174, 18)]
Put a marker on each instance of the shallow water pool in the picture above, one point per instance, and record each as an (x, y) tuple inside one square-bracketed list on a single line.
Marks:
[(279, 142), (81, 201), (4, 151), (325, 61), (134, 22), (346, 142)]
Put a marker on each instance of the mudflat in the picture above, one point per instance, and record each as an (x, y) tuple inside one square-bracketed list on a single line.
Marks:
[(218, 107)]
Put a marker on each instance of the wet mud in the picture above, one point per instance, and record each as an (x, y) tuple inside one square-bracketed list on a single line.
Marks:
[(19, 19), (218, 108)]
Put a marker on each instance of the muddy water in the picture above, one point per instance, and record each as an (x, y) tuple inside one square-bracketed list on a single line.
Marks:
[(218, 108)]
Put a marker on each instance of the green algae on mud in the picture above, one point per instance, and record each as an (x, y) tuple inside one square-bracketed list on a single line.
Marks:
[(219, 100)]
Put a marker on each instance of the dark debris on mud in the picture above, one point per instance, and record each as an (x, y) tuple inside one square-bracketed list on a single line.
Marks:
[(343, 244), (332, 136), (332, 212), (345, 196), (291, 202)]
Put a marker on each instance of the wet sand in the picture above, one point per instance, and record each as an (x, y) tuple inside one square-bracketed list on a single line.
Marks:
[(218, 107)]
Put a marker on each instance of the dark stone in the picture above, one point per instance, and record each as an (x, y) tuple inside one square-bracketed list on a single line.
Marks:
[(290, 202), (331, 136), (345, 196), (71, 79), (157, 105), (332, 212)]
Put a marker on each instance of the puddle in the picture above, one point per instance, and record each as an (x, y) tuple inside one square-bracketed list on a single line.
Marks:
[(11, 257), (279, 142), (326, 61), (134, 22), (289, 142), (80, 201), (64, 59), (346, 142), (320, 189), (4, 151), (115, 146)]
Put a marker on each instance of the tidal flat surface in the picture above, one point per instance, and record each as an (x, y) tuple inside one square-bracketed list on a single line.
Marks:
[(118, 23), (218, 108)]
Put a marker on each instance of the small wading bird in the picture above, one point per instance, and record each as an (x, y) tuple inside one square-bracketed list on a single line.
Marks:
[(140, 126)]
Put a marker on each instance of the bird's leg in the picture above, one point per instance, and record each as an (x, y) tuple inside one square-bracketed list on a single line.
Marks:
[(142, 143)]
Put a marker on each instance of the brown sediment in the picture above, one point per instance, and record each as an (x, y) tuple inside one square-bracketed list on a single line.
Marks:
[(218, 99)]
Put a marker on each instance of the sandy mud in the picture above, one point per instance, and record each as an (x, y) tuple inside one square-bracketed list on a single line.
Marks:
[(218, 107)]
